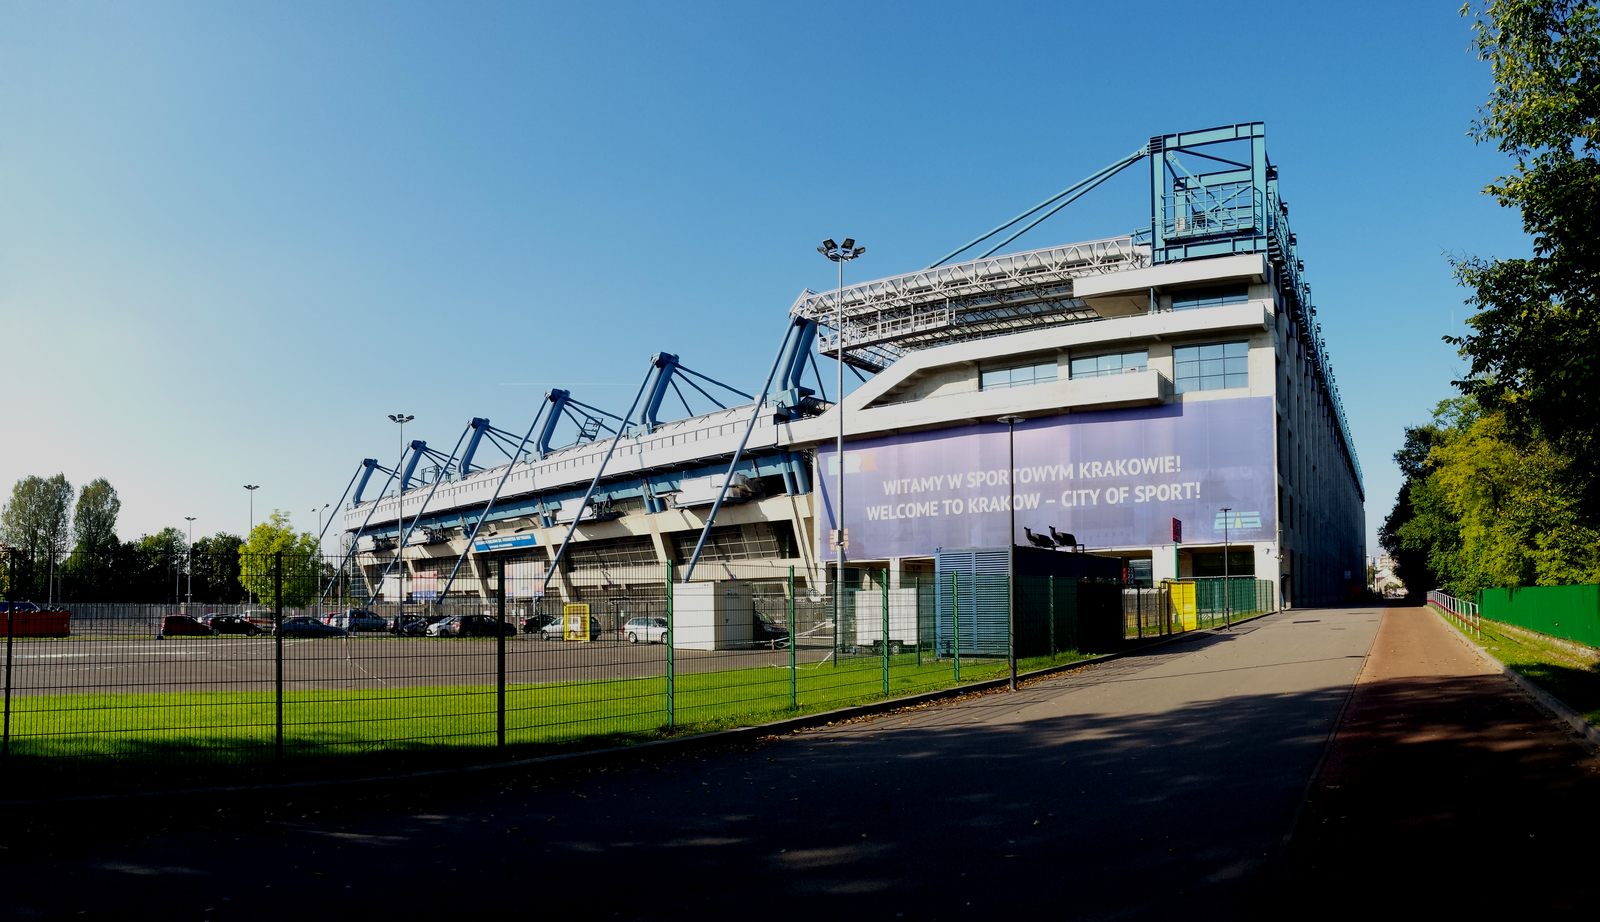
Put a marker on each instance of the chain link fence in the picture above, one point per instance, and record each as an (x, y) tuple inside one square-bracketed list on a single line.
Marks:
[(508, 660)]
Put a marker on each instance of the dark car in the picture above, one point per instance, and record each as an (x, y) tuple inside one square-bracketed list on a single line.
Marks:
[(231, 624), (18, 607), (768, 635), (356, 620), (310, 627), (536, 623), (483, 626), (184, 626), (414, 625)]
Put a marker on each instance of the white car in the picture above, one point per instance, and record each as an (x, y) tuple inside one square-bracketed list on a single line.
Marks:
[(449, 627), (646, 630)]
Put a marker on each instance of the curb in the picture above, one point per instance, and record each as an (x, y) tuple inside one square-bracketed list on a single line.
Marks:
[(1560, 710)]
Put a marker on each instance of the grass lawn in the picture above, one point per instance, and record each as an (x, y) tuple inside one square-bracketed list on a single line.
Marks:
[(1569, 671), (240, 728)]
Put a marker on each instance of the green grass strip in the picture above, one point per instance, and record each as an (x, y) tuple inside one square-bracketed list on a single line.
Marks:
[(1567, 670), (239, 727)]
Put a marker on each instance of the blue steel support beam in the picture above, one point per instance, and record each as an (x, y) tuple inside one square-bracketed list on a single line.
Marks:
[(355, 541), (340, 504), (755, 414), (479, 426), (400, 513), (803, 334), (418, 447), (368, 465), (662, 366), (1093, 179), (555, 564), (557, 403), (489, 507)]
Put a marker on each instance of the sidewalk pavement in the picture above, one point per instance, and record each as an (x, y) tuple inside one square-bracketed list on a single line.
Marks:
[(1445, 789)]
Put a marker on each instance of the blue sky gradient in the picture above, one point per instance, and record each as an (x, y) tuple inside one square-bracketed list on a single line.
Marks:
[(235, 236)]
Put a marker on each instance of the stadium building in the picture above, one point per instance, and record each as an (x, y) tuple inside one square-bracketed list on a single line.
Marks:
[(1163, 397)]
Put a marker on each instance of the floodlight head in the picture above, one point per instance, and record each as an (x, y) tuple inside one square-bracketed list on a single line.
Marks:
[(857, 252), (252, 486), (849, 243), (828, 245)]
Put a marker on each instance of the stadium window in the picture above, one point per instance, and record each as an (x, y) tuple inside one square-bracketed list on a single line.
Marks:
[(1211, 367), (1016, 375), (1210, 297), (1115, 363)]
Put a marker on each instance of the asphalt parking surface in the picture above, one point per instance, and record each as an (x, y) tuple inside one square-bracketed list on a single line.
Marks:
[(362, 661), (1157, 785)]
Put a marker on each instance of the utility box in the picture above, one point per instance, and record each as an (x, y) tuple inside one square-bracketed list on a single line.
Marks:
[(1065, 600), (713, 616), (902, 619)]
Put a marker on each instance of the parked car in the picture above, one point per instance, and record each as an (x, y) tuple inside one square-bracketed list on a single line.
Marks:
[(536, 623), (445, 627), (768, 635), (183, 626), (231, 624), (306, 626), (648, 630), (483, 626), (357, 620), (414, 625), (261, 619), (17, 607), (556, 630)]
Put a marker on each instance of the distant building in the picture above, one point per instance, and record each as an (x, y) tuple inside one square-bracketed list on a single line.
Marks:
[(1175, 401)]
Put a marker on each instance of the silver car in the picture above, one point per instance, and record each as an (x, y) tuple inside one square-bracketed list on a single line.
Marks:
[(645, 630)]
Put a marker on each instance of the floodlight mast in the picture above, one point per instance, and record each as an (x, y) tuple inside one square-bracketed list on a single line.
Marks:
[(840, 254)]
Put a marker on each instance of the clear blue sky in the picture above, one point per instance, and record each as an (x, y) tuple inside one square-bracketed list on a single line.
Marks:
[(233, 237)]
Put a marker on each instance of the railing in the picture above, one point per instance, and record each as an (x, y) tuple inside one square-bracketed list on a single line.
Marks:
[(501, 671), (1460, 612)]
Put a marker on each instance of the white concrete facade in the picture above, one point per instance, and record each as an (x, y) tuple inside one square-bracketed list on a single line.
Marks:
[(1316, 555)]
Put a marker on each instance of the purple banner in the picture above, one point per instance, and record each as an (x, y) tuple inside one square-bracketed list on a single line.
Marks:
[(1114, 478)]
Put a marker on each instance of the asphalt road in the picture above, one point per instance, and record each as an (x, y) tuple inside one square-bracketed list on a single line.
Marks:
[(1145, 787)]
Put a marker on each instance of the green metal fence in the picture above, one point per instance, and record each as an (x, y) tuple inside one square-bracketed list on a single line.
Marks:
[(1569, 612), (512, 663)]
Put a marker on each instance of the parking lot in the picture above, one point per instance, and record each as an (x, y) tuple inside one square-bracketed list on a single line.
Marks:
[(374, 661)]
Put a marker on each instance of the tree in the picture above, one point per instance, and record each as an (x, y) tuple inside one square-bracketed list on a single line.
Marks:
[(1481, 509), (35, 524), (150, 569), (94, 521), (215, 563), (1535, 340), (94, 550), (259, 555)]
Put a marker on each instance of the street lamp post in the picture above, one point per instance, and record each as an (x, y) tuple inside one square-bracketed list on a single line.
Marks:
[(252, 487), (188, 594), (319, 547), (1226, 597), (840, 254), (400, 520), (1011, 548)]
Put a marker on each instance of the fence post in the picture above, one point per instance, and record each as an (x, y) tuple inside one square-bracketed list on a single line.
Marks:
[(500, 654), (672, 627), (1052, 590), (885, 643), (955, 619), (794, 690), (277, 633), (5, 734)]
